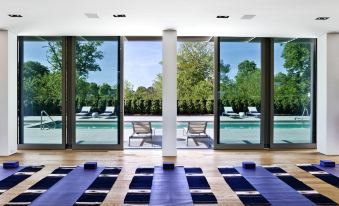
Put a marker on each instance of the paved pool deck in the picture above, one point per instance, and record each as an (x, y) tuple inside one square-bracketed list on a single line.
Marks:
[(109, 136)]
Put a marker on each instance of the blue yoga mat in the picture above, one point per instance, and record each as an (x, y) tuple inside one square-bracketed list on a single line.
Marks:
[(272, 188), (170, 187), (332, 170), (4, 173), (67, 191)]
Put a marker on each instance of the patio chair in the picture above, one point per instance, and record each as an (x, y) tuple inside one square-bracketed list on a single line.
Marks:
[(142, 130), (195, 130), (228, 111), (109, 111), (85, 111), (252, 111)]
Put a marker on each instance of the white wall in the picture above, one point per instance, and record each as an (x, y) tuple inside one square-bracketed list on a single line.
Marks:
[(328, 94), (169, 92), (8, 93)]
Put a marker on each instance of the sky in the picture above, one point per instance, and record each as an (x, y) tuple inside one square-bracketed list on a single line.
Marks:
[(142, 59)]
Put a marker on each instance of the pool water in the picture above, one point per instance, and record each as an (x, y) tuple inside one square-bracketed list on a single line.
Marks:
[(181, 125)]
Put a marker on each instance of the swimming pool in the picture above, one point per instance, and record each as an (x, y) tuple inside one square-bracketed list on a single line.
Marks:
[(181, 125)]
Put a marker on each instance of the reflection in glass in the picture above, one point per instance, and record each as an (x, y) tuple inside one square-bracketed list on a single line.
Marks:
[(240, 91), (41, 96), (293, 65), (97, 90)]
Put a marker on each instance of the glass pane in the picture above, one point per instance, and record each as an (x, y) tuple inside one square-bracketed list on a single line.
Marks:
[(240, 91), (195, 94), (41, 86), (293, 65), (143, 94), (97, 95)]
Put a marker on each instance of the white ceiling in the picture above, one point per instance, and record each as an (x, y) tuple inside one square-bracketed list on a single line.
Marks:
[(274, 18)]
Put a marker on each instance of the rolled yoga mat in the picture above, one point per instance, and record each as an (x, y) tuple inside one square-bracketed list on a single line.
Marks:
[(299, 186), (12, 177), (40, 187), (141, 185), (321, 174), (170, 187), (332, 170), (272, 188), (68, 190), (244, 190)]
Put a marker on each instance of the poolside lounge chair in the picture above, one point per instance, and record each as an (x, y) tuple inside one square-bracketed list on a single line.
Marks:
[(195, 130), (85, 111), (252, 111), (109, 111), (228, 111), (142, 130)]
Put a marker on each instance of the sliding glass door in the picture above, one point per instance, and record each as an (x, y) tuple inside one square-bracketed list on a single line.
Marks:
[(293, 91), (265, 93), (239, 92), (97, 96), (40, 91), (69, 92)]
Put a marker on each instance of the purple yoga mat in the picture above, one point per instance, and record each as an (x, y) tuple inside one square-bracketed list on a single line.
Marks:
[(4, 173), (67, 190), (332, 170), (272, 188), (170, 187)]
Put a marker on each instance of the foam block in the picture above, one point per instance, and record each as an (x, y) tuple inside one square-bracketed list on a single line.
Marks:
[(327, 163), (90, 165), (168, 165), (10, 164), (248, 165)]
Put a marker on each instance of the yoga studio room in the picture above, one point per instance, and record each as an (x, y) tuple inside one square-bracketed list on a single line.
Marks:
[(169, 103)]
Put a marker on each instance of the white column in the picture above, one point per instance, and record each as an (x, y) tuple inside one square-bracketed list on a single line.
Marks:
[(169, 92), (328, 94), (8, 93)]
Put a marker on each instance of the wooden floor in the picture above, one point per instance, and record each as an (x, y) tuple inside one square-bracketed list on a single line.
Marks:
[(208, 160)]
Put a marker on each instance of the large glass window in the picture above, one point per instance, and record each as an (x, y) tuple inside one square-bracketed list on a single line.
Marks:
[(40, 90), (239, 91), (293, 72), (195, 93), (142, 93), (97, 90)]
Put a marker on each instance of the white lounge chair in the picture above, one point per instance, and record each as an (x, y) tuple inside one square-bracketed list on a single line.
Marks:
[(85, 111), (228, 111), (142, 130), (109, 111), (195, 130), (252, 111)]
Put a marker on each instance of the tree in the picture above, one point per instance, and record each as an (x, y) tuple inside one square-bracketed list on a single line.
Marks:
[(34, 69), (292, 89), (87, 55)]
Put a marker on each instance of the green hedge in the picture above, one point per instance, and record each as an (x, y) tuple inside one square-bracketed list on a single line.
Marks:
[(153, 107)]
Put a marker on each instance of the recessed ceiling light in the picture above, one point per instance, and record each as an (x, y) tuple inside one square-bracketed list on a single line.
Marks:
[(92, 15), (248, 16), (119, 15), (222, 17), (322, 18), (15, 15)]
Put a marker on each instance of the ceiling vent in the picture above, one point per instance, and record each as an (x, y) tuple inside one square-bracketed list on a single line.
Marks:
[(322, 18), (119, 15), (92, 15), (248, 16), (15, 15), (222, 17)]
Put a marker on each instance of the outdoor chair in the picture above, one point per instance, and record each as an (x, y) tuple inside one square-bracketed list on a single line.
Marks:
[(109, 111), (142, 130), (252, 111), (85, 111), (195, 130), (228, 111)]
